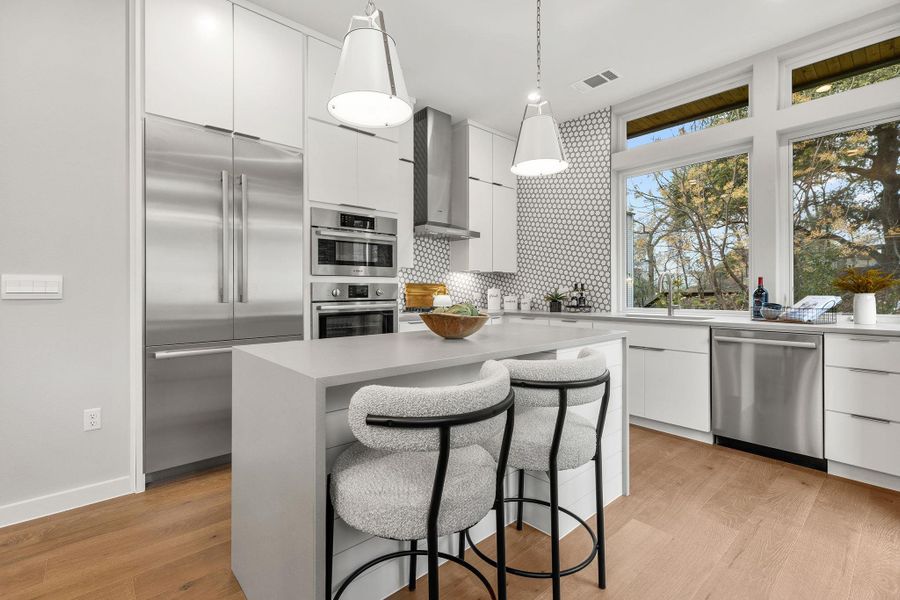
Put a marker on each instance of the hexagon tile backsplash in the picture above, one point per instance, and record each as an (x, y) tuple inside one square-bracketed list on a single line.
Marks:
[(564, 228)]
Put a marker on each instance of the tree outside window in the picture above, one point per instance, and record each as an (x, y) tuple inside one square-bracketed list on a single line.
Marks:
[(690, 222), (846, 195)]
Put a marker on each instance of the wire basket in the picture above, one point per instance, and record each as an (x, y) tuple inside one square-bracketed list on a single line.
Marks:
[(826, 315)]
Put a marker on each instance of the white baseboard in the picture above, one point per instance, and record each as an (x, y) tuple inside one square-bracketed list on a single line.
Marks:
[(701, 436), (875, 478), (42, 506)]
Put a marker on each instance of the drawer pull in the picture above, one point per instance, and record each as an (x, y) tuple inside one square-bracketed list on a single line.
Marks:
[(568, 320), (871, 340), (873, 419), (870, 371), (648, 348)]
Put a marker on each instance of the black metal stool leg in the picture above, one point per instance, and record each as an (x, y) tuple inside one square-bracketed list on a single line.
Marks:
[(554, 534), (329, 539), (601, 539), (434, 586), (461, 551), (521, 495), (500, 508), (413, 546)]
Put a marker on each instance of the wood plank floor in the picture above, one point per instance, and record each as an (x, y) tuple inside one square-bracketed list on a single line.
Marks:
[(702, 522)]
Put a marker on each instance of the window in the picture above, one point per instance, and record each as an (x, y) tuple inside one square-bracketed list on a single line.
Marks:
[(854, 69), (724, 107), (846, 195), (689, 222)]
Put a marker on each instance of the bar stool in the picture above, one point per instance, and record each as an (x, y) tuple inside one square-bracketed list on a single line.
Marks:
[(418, 471), (548, 438)]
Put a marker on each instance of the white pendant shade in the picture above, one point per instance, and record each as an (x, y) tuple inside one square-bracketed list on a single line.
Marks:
[(539, 150), (369, 89)]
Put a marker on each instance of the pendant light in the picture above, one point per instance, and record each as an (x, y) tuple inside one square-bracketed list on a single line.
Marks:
[(539, 150), (368, 89)]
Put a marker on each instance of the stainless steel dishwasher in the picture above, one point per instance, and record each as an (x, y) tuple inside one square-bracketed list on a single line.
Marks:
[(767, 394)]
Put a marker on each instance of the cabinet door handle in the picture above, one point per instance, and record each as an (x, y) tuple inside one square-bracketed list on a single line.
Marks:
[(497, 184), (169, 354), (568, 320), (873, 419), (527, 318), (247, 135), (406, 160), (219, 129), (652, 349), (245, 243), (871, 340), (474, 178), (870, 371), (369, 133)]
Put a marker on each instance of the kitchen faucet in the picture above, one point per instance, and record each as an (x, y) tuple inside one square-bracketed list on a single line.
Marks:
[(667, 278)]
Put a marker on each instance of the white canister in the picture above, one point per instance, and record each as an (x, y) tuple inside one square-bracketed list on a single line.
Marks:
[(525, 303), (510, 303), (494, 298), (442, 300), (864, 309)]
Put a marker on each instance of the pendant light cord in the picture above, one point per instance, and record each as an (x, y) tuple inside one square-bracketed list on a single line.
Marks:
[(539, 45)]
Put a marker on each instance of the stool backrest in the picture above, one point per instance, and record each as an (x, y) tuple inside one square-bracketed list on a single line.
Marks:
[(590, 364), (490, 389)]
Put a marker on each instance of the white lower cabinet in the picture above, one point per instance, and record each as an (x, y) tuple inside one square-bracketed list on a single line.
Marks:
[(862, 441), (676, 388), (636, 360), (583, 323), (527, 320), (862, 402), (417, 325)]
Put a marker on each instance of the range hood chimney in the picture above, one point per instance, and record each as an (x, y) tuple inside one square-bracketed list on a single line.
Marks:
[(432, 149)]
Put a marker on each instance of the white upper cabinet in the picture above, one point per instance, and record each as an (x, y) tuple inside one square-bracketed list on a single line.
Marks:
[(481, 162), (189, 67), (378, 176), (503, 235), (476, 254), (484, 191), (504, 151), (351, 169), (405, 142), (322, 62), (331, 164), (268, 79), (405, 257)]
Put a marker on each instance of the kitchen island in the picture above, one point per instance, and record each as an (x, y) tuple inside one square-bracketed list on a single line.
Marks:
[(290, 423)]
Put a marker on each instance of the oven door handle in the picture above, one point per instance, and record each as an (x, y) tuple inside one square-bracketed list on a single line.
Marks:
[(365, 305), (359, 236)]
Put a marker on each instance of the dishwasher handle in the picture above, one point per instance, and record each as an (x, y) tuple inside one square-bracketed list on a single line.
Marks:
[(765, 342)]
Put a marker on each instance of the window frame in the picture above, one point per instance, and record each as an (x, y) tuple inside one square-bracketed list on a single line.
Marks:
[(766, 135)]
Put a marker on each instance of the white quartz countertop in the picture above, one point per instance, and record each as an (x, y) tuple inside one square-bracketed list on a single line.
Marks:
[(728, 320), (344, 360)]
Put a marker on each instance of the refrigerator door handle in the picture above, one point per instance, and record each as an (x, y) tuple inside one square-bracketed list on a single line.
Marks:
[(224, 295), (168, 354), (245, 243)]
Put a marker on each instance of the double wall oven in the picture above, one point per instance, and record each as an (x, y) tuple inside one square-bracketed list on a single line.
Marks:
[(341, 309), (352, 244)]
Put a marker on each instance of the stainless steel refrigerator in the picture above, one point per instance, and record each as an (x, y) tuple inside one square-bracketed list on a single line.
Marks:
[(223, 234)]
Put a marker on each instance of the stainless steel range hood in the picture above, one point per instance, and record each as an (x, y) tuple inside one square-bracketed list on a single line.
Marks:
[(433, 214)]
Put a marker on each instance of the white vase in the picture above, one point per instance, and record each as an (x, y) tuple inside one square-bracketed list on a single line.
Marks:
[(864, 309)]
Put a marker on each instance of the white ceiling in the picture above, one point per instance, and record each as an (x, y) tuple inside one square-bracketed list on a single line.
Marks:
[(476, 58)]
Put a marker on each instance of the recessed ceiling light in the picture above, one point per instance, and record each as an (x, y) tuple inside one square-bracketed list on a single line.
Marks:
[(823, 88)]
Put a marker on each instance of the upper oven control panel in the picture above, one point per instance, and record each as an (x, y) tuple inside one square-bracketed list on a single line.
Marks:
[(338, 219)]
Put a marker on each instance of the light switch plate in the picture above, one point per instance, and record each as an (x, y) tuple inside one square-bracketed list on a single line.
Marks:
[(31, 287)]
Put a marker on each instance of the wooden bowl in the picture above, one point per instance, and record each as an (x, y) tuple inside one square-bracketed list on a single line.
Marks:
[(454, 327)]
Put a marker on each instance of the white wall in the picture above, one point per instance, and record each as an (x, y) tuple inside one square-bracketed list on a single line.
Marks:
[(63, 210)]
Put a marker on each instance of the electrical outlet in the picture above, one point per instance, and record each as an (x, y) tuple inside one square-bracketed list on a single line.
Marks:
[(92, 419)]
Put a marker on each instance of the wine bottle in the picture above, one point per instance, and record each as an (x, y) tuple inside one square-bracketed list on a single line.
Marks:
[(760, 297)]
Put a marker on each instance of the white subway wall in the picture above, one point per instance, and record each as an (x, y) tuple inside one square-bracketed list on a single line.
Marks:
[(63, 210)]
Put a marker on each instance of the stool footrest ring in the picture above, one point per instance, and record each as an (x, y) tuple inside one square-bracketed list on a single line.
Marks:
[(403, 553), (542, 574)]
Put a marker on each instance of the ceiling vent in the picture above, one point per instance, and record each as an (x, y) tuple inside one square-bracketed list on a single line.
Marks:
[(595, 81)]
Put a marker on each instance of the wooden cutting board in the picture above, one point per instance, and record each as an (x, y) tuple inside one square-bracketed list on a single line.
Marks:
[(421, 295)]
